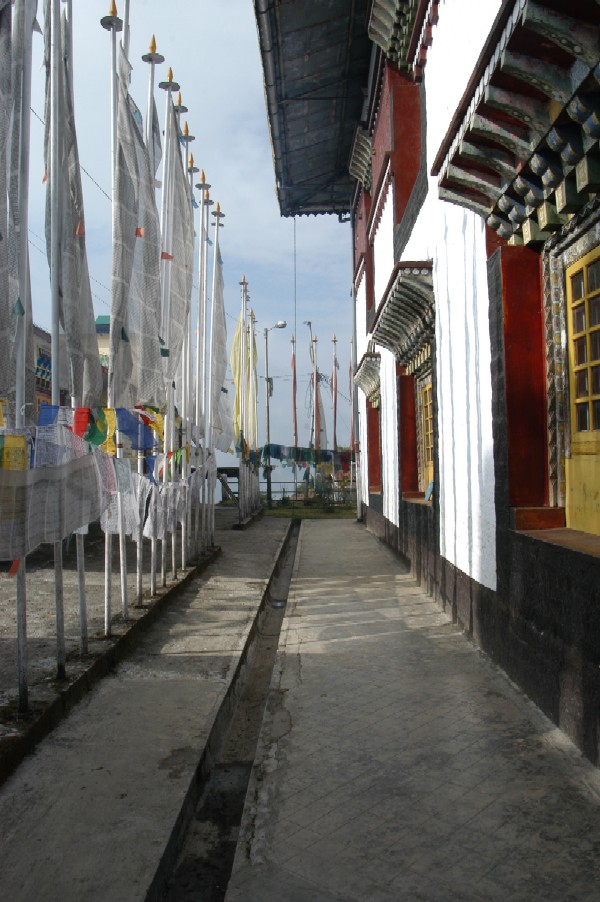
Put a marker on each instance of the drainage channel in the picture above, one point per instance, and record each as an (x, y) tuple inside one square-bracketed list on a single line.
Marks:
[(203, 867)]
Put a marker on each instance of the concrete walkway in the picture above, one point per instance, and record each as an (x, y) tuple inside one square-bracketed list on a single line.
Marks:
[(396, 762), (94, 813)]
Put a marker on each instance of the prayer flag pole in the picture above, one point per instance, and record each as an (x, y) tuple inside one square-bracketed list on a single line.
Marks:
[(55, 228), (205, 358), (242, 387), (126, 29), (153, 59), (185, 365), (203, 187), (294, 411), (334, 391), (24, 20), (76, 402), (177, 465), (166, 232), (191, 506), (111, 23), (316, 411), (218, 216), (294, 391), (355, 436), (311, 352)]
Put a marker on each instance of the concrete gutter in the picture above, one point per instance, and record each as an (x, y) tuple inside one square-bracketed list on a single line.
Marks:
[(219, 728)]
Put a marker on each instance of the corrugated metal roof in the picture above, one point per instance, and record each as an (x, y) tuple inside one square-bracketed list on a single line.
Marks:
[(316, 57)]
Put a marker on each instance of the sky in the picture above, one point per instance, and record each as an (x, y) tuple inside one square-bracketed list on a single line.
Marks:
[(213, 51)]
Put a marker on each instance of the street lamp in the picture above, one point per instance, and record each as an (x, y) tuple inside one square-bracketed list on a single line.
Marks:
[(280, 324)]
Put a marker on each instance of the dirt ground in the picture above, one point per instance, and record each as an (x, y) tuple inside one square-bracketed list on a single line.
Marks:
[(41, 617)]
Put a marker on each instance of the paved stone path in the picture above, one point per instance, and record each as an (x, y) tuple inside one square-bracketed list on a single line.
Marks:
[(396, 762), (95, 810)]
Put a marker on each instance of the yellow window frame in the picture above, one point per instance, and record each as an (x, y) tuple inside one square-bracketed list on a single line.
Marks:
[(583, 326), (427, 408)]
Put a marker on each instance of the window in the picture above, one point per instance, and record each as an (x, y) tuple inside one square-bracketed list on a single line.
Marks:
[(583, 318), (583, 292), (427, 402), (374, 447)]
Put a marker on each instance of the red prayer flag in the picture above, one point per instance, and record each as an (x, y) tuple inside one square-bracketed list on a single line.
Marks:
[(81, 420)]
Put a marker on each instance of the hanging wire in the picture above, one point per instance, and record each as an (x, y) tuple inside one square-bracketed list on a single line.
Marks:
[(83, 169)]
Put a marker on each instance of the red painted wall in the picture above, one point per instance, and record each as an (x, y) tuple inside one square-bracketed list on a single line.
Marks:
[(374, 448), (409, 468), (524, 358), (397, 136), (361, 222)]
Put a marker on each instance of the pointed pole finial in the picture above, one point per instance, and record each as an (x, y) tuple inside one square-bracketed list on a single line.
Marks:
[(186, 129), (179, 103), (169, 84), (202, 184), (152, 56), (111, 22), (218, 215), (191, 159)]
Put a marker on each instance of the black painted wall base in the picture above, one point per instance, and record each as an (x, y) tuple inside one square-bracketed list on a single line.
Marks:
[(542, 625)]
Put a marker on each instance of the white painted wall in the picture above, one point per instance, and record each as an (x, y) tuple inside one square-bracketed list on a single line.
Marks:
[(361, 320), (454, 238), (389, 437), (361, 347), (466, 484), (364, 451)]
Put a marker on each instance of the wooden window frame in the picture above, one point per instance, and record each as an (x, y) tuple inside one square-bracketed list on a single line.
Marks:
[(583, 441)]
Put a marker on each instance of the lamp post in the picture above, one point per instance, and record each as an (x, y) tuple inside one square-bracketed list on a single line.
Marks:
[(280, 324)]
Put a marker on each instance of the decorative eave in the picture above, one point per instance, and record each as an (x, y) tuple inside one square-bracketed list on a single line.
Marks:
[(405, 319), (366, 376), (403, 30), (522, 149), (361, 158)]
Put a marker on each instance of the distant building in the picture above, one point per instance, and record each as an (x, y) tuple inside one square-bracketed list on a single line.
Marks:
[(103, 335), (42, 351)]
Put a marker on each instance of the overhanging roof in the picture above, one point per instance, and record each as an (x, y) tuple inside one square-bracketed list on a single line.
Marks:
[(405, 319), (367, 373), (522, 149), (315, 57)]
